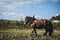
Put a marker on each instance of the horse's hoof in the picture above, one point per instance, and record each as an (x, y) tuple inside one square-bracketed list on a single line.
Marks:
[(50, 35), (31, 34), (36, 35), (44, 34)]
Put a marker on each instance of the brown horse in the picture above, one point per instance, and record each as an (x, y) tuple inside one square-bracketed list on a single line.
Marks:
[(40, 24)]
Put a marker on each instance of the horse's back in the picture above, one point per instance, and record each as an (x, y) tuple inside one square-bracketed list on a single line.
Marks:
[(39, 21)]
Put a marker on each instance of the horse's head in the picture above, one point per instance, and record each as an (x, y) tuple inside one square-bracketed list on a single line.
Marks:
[(29, 20)]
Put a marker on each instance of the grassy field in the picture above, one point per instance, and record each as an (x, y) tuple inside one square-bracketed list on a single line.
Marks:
[(25, 34)]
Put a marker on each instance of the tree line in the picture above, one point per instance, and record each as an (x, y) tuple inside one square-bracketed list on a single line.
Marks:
[(56, 17), (7, 24)]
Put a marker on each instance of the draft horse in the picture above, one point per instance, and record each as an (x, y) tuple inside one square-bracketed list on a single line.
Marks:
[(39, 24)]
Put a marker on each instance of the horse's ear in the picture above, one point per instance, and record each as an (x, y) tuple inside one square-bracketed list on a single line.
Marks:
[(33, 16)]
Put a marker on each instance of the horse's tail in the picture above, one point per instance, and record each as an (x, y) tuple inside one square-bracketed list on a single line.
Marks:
[(49, 23), (52, 29)]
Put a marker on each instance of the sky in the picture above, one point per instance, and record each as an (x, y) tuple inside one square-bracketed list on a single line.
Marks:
[(18, 9)]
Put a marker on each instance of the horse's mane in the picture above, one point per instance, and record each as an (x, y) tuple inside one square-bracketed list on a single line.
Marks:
[(31, 17)]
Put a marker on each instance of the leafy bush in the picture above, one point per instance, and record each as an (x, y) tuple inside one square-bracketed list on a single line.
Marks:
[(9, 24), (56, 26)]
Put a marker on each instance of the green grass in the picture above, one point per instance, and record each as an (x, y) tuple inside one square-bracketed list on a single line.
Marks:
[(25, 34)]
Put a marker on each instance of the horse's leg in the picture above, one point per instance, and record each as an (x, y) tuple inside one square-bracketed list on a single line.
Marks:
[(45, 32), (50, 30), (32, 33), (34, 30), (50, 33)]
